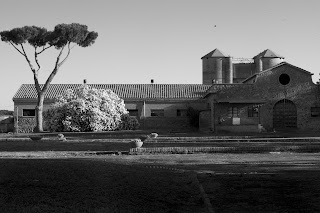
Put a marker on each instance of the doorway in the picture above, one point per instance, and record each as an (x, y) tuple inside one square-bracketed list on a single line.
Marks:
[(284, 114)]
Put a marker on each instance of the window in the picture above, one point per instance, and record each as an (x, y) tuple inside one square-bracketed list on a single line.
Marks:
[(29, 112), (284, 79), (233, 112), (157, 112), (315, 111), (181, 112), (133, 112), (253, 111)]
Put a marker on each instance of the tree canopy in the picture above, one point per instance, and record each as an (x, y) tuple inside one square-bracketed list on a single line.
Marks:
[(41, 39), (59, 37)]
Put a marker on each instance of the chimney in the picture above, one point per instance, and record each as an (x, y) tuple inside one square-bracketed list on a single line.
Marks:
[(84, 81), (152, 81)]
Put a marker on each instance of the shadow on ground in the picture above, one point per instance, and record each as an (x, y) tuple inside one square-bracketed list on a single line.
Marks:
[(76, 185)]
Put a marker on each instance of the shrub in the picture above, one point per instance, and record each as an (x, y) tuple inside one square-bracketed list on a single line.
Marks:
[(6, 112), (129, 122), (87, 109), (26, 125)]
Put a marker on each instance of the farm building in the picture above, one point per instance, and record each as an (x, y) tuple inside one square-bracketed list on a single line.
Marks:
[(236, 95)]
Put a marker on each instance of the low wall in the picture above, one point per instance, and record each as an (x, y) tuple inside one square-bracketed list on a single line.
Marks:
[(171, 124), (238, 128)]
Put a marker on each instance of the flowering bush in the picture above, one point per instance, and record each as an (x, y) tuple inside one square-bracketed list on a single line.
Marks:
[(129, 122), (87, 109)]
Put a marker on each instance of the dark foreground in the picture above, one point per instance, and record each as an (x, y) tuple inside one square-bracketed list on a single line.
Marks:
[(163, 183), (286, 191), (93, 186)]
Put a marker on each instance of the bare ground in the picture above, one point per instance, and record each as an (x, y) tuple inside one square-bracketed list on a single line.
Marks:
[(277, 182)]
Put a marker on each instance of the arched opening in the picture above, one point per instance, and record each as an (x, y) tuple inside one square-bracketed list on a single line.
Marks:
[(284, 114)]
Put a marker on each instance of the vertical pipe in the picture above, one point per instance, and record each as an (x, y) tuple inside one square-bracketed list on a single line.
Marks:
[(218, 70), (205, 78), (260, 65), (229, 71)]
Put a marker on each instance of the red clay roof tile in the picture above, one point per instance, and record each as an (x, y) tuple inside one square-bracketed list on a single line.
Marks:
[(124, 91)]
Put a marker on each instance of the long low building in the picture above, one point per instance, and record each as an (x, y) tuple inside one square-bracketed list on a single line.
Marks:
[(263, 93), (157, 106)]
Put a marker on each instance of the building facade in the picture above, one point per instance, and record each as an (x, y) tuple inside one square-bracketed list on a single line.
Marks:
[(236, 95), (280, 98), (156, 106)]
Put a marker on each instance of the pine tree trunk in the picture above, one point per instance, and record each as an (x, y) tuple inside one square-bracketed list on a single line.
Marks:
[(39, 110)]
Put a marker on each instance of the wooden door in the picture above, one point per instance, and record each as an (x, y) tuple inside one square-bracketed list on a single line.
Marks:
[(284, 114)]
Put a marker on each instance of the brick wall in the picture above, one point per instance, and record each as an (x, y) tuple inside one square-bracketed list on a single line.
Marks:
[(300, 90)]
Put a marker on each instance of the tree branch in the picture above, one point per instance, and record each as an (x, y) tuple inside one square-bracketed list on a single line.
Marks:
[(69, 49), (16, 48), (36, 58), (54, 71), (58, 58), (26, 57), (36, 82), (44, 48)]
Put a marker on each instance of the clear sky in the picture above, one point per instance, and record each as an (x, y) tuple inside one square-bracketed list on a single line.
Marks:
[(162, 40)]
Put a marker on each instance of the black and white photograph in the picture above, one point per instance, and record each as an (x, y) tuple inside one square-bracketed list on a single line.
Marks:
[(148, 106)]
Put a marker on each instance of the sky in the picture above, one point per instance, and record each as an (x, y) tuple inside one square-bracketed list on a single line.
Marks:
[(140, 40)]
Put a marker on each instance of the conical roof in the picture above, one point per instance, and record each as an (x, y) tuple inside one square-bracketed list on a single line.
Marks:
[(216, 53), (268, 54)]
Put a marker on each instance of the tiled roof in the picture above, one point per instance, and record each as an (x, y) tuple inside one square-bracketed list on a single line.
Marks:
[(219, 87), (285, 63), (268, 54), (215, 54), (274, 67), (124, 91)]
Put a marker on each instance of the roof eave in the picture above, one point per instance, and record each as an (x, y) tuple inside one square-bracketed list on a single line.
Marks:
[(285, 63)]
